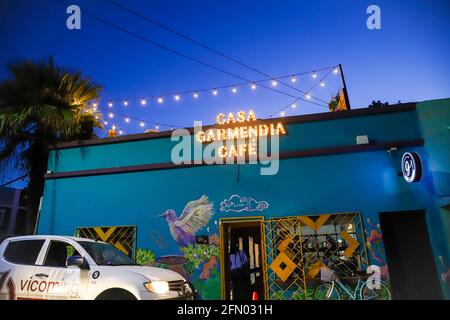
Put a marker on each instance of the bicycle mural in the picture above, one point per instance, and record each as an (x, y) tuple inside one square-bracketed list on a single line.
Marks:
[(301, 249)]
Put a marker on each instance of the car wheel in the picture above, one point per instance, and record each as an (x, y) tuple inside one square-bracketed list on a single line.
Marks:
[(116, 294)]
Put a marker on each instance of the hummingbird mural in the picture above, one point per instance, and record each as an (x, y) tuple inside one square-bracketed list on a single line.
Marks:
[(196, 214)]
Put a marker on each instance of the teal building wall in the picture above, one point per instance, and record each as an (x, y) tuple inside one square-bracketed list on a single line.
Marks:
[(366, 181)]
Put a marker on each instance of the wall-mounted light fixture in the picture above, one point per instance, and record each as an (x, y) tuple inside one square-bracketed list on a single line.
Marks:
[(362, 139)]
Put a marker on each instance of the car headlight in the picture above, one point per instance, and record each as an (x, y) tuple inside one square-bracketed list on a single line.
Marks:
[(158, 287)]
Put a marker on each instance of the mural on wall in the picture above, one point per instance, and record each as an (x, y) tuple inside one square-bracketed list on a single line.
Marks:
[(198, 263), (237, 203), (374, 242), (159, 239)]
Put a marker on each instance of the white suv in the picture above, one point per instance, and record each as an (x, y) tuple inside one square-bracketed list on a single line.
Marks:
[(57, 267)]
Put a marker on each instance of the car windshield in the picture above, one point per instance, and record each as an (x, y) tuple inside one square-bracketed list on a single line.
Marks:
[(105, 254)]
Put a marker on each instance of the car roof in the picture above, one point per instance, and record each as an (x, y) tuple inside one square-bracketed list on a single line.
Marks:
[(50, 237)]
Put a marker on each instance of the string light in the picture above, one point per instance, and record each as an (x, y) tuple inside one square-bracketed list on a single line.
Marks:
[(105, 123), (120, 132), (274, 82), (215, 91)]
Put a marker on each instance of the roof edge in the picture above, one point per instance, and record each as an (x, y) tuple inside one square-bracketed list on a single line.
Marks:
[(323, 116)]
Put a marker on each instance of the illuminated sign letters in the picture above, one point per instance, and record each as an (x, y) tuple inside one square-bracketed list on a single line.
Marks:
[(242, 129)]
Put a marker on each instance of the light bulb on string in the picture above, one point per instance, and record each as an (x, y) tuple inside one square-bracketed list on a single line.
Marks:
[(314, 75), (293, 106), (120, 132), (127, 120), (177, 97), (322, 84), (215, 92), (274, 83), (253, 86), (125, 103), (105, 123), (142, 124), (234, 89), (157, 127), (335, 70), (111, 115), (143, 102), (195, 95), (282, 113), (293, 79), (160, 100), (308, 96), (110, 104)]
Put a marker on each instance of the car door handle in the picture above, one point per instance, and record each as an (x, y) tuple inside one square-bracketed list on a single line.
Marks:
[(41, 275)]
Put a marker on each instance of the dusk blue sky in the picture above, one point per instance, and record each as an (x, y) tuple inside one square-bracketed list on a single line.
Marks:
[(407, 60)]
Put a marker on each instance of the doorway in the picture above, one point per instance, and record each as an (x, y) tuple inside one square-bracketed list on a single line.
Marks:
[(411, 263), (247, 236)]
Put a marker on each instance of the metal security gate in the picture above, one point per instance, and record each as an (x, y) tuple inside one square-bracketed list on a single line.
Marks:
[(298, 247), (122, 237)]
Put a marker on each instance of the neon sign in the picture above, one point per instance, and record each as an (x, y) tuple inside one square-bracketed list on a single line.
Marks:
[(411, 167), (241, 128)]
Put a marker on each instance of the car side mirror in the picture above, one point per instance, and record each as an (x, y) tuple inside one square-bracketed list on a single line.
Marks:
[(77, 261)]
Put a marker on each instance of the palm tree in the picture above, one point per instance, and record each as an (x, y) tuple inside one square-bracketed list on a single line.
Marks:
[(42, 104)]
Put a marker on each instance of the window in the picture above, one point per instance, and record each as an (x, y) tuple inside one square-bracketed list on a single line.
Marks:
[(105, 254), (23, 252), (57, 254)]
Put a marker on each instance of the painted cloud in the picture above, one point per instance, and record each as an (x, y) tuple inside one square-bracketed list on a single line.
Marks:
[(237, 203)]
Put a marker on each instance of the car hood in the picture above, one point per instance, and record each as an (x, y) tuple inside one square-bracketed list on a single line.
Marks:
[(151, 273)]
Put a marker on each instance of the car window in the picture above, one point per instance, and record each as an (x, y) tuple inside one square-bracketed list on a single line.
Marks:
[(23, 251), (58, 252), (105, 254)]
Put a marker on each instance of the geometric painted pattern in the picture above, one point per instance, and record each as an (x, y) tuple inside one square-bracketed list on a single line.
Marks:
[(122, 237), (296, 248)]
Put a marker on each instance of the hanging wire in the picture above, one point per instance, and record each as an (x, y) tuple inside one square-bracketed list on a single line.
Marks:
[(162, 46)]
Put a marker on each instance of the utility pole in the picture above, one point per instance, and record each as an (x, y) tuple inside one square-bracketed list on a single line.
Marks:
[(347, 101)]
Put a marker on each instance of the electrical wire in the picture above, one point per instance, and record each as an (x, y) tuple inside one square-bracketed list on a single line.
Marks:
[(292, 102), (157, 44), (190, 39)]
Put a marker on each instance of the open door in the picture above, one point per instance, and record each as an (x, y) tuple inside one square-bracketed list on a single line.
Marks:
[(412, 267), (247, 235)]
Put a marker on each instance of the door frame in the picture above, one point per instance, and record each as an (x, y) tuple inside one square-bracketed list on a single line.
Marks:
[(423, 213), (240, 222)]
